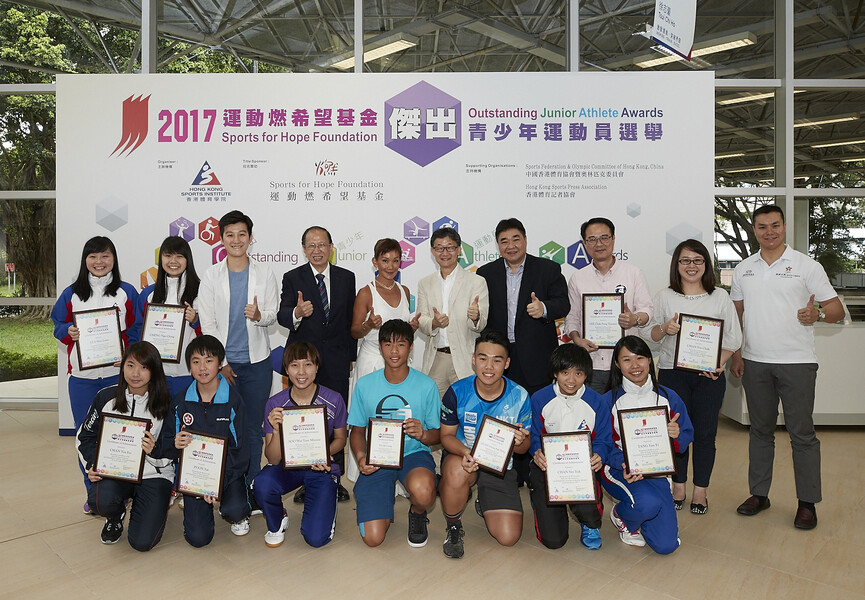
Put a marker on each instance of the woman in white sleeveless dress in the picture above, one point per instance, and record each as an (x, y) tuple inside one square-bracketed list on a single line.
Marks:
[(380, 301)]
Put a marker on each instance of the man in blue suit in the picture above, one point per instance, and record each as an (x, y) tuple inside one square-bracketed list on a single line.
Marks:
[(316, 307)]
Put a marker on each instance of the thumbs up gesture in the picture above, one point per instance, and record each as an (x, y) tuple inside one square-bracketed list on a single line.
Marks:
[(671, 327), (440, 320), (251, 312), (373, 320), (415, 321), (474, 311), (809, 314), (627, 319), (535, 307), (673, 427), (303, 308)]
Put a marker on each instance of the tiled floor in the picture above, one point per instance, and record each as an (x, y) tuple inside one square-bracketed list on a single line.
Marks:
[(49, 549)]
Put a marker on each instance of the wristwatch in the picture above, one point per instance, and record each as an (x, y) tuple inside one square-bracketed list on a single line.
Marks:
[(821, 316)]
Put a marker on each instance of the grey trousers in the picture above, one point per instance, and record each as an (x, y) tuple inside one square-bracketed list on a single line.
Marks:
[(793, 384)]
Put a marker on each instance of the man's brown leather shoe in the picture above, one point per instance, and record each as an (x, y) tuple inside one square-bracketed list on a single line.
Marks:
[(753, 505), (805, 518)]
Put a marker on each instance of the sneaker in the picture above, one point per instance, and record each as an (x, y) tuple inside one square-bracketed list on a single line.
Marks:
[(112, 530), (172, 498), (417, 531), (591, 538), (180, 502), (87, 509), (241, 527), (300, 495), (453, 546), (256, 509), (274, 539), (631, 539)]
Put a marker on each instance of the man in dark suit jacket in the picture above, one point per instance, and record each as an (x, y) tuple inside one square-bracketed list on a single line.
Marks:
[(302, 310), (527, 312), (527, 295)]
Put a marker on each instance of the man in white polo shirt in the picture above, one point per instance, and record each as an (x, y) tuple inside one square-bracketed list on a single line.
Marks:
[(774, 292), (606, 275)]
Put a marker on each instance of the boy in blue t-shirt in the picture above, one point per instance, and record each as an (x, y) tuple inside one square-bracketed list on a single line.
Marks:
[(464, 405), (395, 392)]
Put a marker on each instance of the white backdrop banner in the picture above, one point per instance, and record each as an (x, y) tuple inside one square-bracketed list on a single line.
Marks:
[(141, 157)]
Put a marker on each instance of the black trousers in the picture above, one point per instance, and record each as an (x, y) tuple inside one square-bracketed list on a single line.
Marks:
[(149, 507)]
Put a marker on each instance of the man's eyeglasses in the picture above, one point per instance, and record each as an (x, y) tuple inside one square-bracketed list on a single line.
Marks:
[(604, 239), (443, 249), (319, 246)]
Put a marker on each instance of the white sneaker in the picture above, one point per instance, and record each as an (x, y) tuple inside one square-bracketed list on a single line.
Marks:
[(241, 527), (631, 539), (274, 539)]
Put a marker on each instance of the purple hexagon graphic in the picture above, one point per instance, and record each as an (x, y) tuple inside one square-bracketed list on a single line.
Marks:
[(423, 123), (446, 222), (416, 230), (182, 227), (577, 255), (407, 254)]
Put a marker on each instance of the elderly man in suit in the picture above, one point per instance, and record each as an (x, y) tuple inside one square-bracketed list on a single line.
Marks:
[(527, 295), (453, 305), (316, 307)]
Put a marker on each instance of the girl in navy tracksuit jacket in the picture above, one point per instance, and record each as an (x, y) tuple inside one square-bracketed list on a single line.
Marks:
[(645, 513), (141, 392), (176, 283), (213, 407), (98, 285)]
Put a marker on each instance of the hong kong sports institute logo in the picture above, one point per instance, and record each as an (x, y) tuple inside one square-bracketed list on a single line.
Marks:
[(133, 125)]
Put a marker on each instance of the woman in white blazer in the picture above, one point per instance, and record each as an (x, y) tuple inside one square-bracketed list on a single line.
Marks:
[(237, 301)]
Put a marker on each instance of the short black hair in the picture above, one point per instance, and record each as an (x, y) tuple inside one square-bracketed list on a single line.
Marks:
[(205, 345), (396, 330), (597, 221), (232, 217), (571, 356), (385, 245), (445, 232), (767, 209), (493, 336), (512, 223), (320, 228)]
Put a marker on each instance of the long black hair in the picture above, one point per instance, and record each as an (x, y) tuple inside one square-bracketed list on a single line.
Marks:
[(637, 346), (708, 279), (96, 245), (158, 396), (176, 245)]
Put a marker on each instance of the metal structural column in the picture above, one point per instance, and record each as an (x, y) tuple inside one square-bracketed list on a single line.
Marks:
[(149, 37), (573, 37)]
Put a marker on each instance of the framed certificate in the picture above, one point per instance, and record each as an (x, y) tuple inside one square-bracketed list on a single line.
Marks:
[(494, 445), (601, 318), (646, 444), (119, 454), (698, 345), (385, 443), (303, 437), (99, 343), (164, 326), (569, 476), (202, 465)]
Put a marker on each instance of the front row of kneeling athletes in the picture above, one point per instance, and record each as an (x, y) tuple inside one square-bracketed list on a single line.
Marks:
[(645, 512)]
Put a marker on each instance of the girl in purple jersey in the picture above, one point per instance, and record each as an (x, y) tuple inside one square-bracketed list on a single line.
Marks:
[(301, 361)]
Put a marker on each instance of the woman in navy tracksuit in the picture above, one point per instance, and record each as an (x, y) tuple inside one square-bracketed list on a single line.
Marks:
[(645, 513), (141, 392)]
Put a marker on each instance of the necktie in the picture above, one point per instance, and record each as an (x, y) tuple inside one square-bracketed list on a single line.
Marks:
[(322, 292)]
